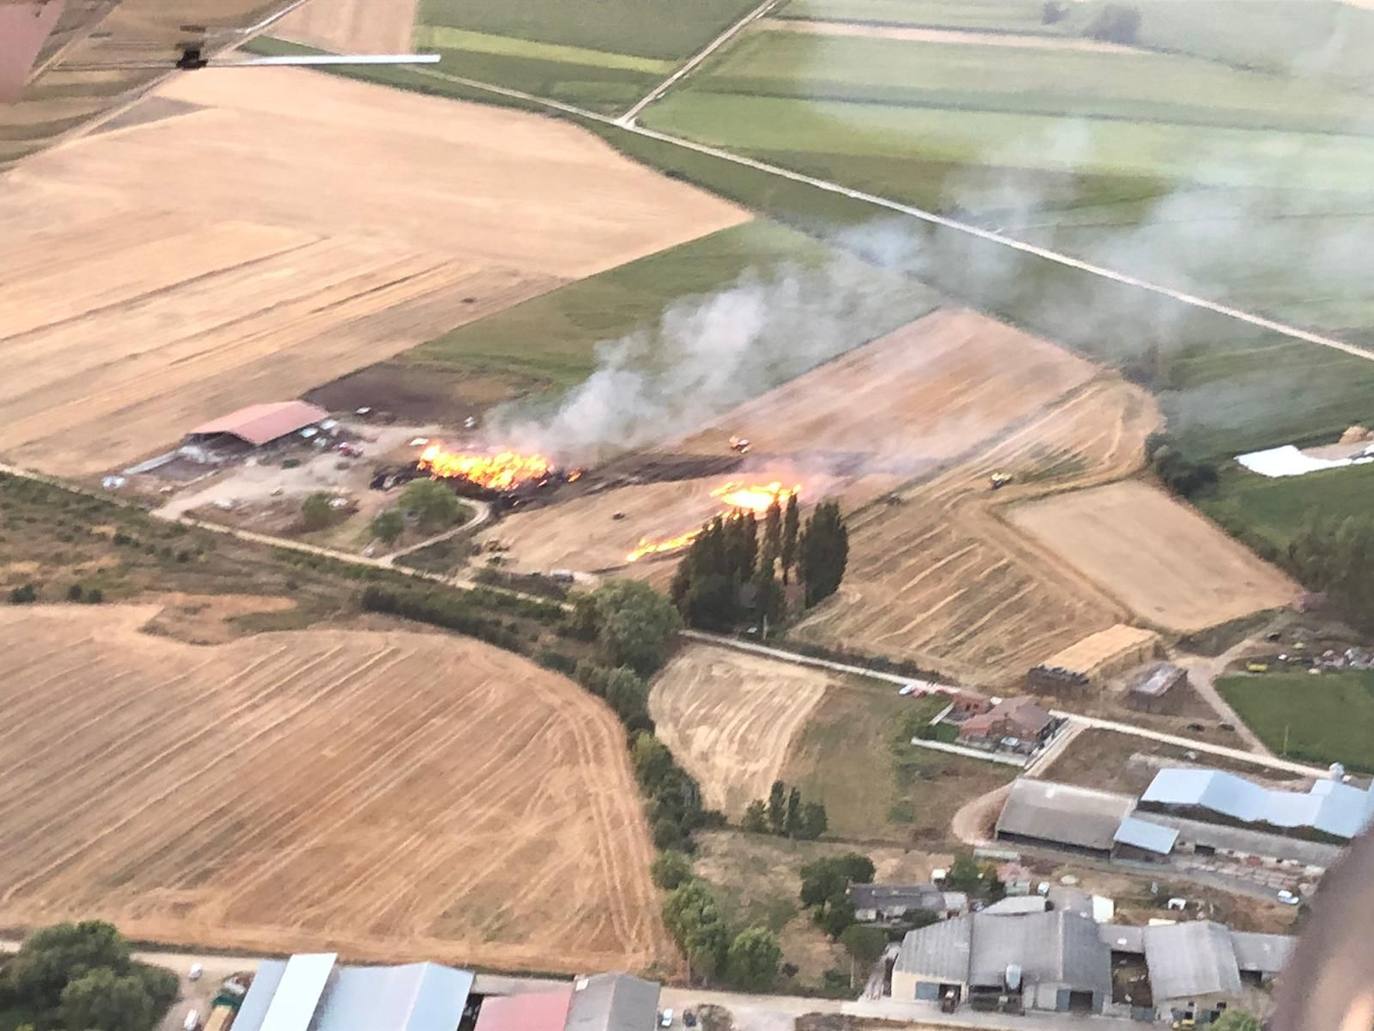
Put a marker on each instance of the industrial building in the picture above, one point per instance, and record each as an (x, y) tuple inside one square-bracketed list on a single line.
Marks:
[(313, 993), (257, 425), (1159, 689), (1330, 811), (1198, 969), (1046, 961), (604, 1002), (1062, 816)]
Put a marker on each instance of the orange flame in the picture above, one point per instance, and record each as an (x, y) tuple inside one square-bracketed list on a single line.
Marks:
[(754, 498), (504, 470)]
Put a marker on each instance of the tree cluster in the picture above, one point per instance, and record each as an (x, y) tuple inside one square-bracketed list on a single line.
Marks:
[(736, 569), (81, 976), (825, 889), (632, 624), (1179, 473), (784, 813), (1236, 1020), (748, 960), (431, 504), (967, 876), (1337, 556)]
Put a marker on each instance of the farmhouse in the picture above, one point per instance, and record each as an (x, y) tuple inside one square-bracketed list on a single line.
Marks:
[(257, 425), (1017, 719), (312, 993), (605, 1002), (1062, 816), (894, 901), (1048, 961), (1158, 689)]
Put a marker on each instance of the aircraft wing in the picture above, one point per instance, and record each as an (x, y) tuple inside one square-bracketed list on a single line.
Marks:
[(68, 65)]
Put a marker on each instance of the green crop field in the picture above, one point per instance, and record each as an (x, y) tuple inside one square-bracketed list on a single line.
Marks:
[(1323, 719), (603, 56), (1275, 509), (551, 341), (995, 15)]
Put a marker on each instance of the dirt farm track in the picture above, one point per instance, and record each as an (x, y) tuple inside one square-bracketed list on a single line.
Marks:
[(387, 794), (260, 235)]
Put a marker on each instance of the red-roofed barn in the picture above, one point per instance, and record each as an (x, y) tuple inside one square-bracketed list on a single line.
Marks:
[(257, 425)]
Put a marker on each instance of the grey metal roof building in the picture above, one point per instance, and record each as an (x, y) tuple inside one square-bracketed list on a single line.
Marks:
[(1152, 837), (1262, 953), (1057, 953), (312, 993), (1063, 814), (1191, 960), (1328, 807), (1222, 837), (613, 1002)]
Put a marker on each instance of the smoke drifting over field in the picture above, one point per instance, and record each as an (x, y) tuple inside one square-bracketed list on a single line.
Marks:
[(709, 353)]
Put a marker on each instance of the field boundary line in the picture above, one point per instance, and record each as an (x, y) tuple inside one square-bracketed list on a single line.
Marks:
[(930, 217), (693, 63), (972, 753)]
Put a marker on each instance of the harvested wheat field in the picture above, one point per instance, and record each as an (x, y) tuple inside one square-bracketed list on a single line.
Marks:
[(352, 26), (729, 718), (1161, 558), (291, 227), (936, 575), (854, 428), (391, 795)]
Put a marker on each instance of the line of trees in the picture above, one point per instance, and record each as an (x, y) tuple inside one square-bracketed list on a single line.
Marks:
[(82, 976), (1179, 473), (736, 570), (785, 814)]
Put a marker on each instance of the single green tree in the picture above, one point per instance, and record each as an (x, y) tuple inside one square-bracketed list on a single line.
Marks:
[(753, 960), (791, 529), (388, 526), (964, 874), (777, 807), (792, 821), (824, 552), (705, 949), (755, 819), (772, 537), (813, 821), (316, 513), (628, 695), (636, 626), (865, 946), (671, 869), (652, 761), (837, 915), (431, 504), (106, 1000)]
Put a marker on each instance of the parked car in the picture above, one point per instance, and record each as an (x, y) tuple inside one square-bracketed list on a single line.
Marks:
[(1288, 898), (665, 1019)]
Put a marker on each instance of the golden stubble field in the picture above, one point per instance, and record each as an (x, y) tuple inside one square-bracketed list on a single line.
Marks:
[(391, 795), (730, 718), (283, 229), (352, 26)]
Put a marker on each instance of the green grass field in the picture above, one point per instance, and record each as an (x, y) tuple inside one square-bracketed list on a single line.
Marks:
[(852, 757), (1323, 719), (982, 15), (551, 341)]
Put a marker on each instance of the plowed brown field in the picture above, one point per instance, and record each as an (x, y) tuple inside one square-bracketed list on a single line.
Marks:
[(388, 794), (293, 227), (729, 718), (1169, 564), (940, 578), (352, 26), (854, 428)]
